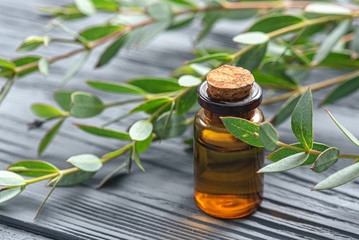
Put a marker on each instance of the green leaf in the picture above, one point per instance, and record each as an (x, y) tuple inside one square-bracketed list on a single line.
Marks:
[(286, 110), (115, 153), (243, 130), (354, 44), (32, 168), (63, 98), (185, 102), (151, 106), (251, 59), (208, 21), (339, 178), (44, 67), (327, 8), (325, 160), (116, 87), (184, 3), (337, 60), (46, 111), (272, 23), (74, 178), (112, 50), (216, 56), (7, 194), (176, 125), (24, 61), (159, 11), (276, 69), (97, 32), (141, 130), (189, 81), (10, 179), (7, 64), (181, 21), (137, 160), (285, 152), (344, 130), (113, 173), (33, 42), (49, 136), (106, 5), (103, 132), (75, 68), (86, 162), (5, 89), (85, 105), (285, 164), (142, 146), (156, 84), (343, 90), (268, 136), (251, 38), (85, 6), (330, 41), (302, 120), (200, 69)]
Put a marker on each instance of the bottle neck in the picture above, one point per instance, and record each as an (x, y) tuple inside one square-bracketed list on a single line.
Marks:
[(215, 117)]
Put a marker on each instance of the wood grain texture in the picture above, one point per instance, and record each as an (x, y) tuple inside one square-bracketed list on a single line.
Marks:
[(157, 204)]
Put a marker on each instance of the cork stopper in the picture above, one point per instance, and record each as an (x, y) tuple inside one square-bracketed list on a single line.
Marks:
[(229, 83)]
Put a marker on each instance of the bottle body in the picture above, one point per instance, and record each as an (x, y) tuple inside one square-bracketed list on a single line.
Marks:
[(226, 182)]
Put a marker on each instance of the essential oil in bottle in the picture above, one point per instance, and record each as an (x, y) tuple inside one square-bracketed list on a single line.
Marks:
[(226, 182)]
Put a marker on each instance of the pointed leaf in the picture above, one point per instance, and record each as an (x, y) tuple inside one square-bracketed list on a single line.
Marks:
[(186, 102), (32, 168), (8, 194), (159, 11), (243, 130), (344, 130), (189, 81), (325, 160), (63, 98), (7, 64), (75, 68), (85, 6), (251, 59), (151, 105), (272, 23), (74, 178), (33, 42), (276, 69), (112, 50), (10, 179), (156, 85), (268, 136), (141, 130), (216, 56), (176, 125), (86, 162), (251, 38), (46, 111), (103, 131), (98, 32), (286, 110), (142, 146), (339, 178), (302, 120), (6, 88), (138, 160), (285, 164), (85, 105), (343, 90), (49, 136), (44, 67), (116, 87)]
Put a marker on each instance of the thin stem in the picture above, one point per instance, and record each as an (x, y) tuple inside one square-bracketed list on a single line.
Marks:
[(124, 102)]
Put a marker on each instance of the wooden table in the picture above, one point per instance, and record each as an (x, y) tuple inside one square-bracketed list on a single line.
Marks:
[(157, 204)]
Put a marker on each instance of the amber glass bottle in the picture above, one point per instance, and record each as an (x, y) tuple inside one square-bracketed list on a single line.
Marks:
[(226, 184)]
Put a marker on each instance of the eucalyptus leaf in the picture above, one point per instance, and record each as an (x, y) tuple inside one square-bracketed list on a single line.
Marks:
[(85, 6), (142, 146), (277, 70), (271, 23), (46, 111), (337, 60), (10, 179), (251, 38), (268, 136), (330, 41), (243, 130), (63, 98), (7, 64), (325, 160), (49, 136), (342, 90), (97, 32), (103, 132), (285, 110), (33, 42), (32, 168), (186, 102), (200, 69), (151, 106), (208, 21), (8, 194), (111, 51), (176, 125), (116, 87), (24, 61), (85, 105), (251, 59), (159, 11), (216, 56), (302, 120), (285, 164), (75, 68), (86, 162), (5, 89), (339, 178), (113, 173), (189, 81), (286, 152), (327, 8), (137, 160), (354, 44), (156, 84), (141, 130), (344, 130), (44, 67), (73, 178)]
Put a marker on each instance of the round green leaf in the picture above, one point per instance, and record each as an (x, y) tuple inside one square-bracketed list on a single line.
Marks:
[(100, 131), (7, 194), (251, 38), (325, 160), (285, 164), (243, 130), (327, 8), (10, 179), (141, 130), (268, 136), (189, 81), (142, 146), (46, 111), (85, 105), (86, 162), (32, 168)]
